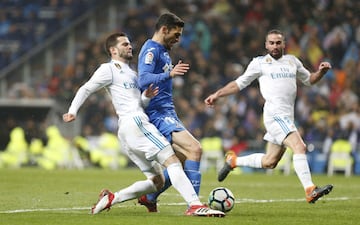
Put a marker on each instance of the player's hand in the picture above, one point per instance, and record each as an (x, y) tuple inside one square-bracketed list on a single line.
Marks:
[(67, 117), (179, 69), (210, 101), (151, 91), (324, 67)]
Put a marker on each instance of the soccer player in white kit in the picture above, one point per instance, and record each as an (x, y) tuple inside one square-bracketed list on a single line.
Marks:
[(140, 139), (277, 74)]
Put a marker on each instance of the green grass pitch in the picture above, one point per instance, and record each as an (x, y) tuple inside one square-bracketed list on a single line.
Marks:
[(34, 196)]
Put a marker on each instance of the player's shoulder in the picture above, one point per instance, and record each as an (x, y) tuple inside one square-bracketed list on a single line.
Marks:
[(149, 48), (267, 59), (150, 45), (289, 56), (104, 67), (261, 59)]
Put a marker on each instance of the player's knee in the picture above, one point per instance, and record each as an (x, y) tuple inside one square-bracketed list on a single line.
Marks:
[(269, 163), (158, 182), (197, 150), (194, 152), (303, 148), (300, 148)]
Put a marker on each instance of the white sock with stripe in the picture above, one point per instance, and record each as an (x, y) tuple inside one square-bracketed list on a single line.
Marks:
[(135, 190), (302, 170)]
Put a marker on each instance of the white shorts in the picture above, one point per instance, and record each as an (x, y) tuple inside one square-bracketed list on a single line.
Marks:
[(144, 144), (278, 128)]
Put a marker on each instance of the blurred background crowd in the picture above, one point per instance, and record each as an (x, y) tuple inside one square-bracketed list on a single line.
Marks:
[(219, 40)]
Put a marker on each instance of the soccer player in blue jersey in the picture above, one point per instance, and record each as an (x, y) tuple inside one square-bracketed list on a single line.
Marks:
[(140, 139), (155, 66)]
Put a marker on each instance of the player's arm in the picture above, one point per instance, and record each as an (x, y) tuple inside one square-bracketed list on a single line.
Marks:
[(179, 69), (147, 77), (81, 95), (146, 68), (252, 72), (230, 88), (149, 93), (316, 76), (97, 81)]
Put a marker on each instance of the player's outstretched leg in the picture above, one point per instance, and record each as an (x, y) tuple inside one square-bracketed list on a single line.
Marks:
[(150, 205), (150, 200), (202, 210), (105, 199), (230, 164), (314, 193)]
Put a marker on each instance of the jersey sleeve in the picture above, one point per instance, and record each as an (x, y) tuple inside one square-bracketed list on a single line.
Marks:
[(101, 78), (252, 72), (148, 58), (302, 73), (144, 100)]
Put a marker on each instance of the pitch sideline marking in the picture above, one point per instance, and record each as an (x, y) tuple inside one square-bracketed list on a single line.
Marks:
[(240, 201)]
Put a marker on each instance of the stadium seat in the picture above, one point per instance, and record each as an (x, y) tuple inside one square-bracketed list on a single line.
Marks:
[(356, 156), (106, 152), (212, 153), (58, 153), (340, 158), (285, 164), (16, 153), (317, 160)]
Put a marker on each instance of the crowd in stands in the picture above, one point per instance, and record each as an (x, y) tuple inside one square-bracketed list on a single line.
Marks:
[(219, 40), (25, 24)]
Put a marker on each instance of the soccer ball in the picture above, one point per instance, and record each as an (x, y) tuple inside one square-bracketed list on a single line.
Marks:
[(222, 199)]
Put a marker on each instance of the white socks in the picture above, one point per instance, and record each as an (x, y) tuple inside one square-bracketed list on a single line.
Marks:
[(301, 166), (133, 191), (302, 170), (252, 160), (182, 184), (178, 179)]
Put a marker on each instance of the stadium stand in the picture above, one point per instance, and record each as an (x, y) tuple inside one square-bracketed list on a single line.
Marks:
[(219, 39)]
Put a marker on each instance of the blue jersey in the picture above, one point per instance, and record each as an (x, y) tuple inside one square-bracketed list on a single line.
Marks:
[(154, 66)]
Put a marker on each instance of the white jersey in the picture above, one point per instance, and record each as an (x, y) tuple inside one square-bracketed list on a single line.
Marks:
[(277, 80), (121, 83), (138, 137)]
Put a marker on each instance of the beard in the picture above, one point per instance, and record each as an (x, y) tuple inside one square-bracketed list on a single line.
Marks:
[(276, 54), (168, 43), (127, 56)]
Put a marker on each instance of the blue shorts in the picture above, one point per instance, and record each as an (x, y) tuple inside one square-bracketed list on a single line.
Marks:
[(166, 123)]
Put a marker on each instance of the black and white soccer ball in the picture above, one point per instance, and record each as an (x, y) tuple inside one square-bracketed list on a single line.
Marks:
[(221, 198)]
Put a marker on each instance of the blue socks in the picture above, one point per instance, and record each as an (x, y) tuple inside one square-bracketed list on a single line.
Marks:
[(192, 171)]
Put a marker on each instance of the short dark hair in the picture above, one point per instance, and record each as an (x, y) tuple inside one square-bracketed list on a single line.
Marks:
[(275, 31), (169, 20), (111, 41)]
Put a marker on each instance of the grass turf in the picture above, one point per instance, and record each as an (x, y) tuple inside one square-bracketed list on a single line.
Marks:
[(34, 196)]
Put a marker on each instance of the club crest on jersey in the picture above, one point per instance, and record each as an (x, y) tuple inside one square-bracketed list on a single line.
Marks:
[(149, 58), (118, 66), (268, 60)]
